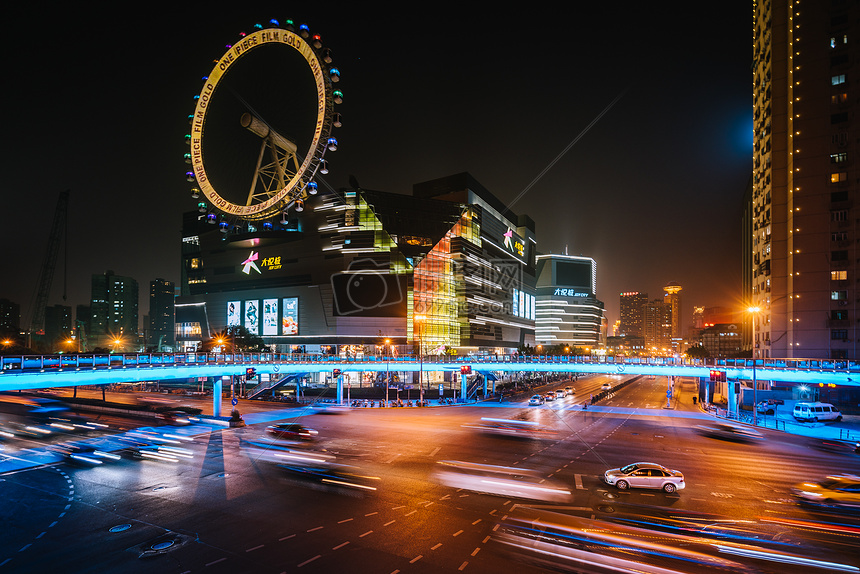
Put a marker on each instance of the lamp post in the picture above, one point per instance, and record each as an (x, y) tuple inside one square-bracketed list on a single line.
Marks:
[(754, 311), (420, 320), (387, 370)]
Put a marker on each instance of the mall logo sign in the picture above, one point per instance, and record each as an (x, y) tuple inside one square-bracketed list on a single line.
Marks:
[(249, 263)]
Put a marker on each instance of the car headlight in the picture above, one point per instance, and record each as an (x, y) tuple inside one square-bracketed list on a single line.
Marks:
[(810, 494)]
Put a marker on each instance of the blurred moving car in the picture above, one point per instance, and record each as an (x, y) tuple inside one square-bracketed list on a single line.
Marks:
[(501, 481), (337, 478), (606, 387), (549, 397), (729, 432), (840, 491), (87, 455), (536, 400), (330, 408), (560, 393), (565, 542), (175, 417), (512, 428), (837, 445), (569, 391), (291, 431), (645, 475)]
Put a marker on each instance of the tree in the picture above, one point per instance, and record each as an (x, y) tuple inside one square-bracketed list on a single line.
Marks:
[(698, 352), (235, 339)]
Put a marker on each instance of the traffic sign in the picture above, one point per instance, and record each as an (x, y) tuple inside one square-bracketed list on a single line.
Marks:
[(235, 401)]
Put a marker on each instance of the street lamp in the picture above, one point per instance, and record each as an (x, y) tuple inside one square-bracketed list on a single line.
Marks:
[(754, 311), (420, 320), (387, 369)]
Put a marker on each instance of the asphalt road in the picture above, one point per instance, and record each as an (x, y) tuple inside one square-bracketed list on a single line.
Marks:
[(228, 509)]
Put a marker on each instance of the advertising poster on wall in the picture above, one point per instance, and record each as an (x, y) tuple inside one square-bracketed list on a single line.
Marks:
[(290, 317), (252, 319), (234, 311), (270, 316)]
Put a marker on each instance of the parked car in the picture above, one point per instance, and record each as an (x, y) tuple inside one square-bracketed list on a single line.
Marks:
[(645, 475), (839, 491), (536, 400), (814, 412), (291, 431), (768, 407)]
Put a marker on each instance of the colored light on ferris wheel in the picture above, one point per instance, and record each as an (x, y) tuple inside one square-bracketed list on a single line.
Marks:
[(304, 31), (337, 96), (201, 207), (312, 187), (334, 74), (211, 218), (267, 226), (332, 144), (189, 175)]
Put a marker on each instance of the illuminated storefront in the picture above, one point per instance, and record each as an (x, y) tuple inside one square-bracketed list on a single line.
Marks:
[(567, 309)]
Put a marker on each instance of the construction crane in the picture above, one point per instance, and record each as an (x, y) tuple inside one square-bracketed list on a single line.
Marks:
[(46, 275)]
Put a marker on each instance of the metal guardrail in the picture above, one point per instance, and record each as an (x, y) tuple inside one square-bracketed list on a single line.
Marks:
[(40, 363)]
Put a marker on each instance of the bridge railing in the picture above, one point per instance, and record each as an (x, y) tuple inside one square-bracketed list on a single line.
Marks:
[(56, 362)]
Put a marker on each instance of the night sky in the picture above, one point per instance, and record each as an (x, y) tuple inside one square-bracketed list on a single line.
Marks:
[(626, 134)]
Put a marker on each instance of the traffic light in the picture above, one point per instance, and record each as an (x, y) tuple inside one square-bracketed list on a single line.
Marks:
[(466, 370), (718, 376), (250, 373), (722, 376)]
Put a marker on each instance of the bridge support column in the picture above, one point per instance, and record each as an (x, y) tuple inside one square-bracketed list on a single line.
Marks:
[(340, 389), (217, 391), (463, 387), (485, 387)]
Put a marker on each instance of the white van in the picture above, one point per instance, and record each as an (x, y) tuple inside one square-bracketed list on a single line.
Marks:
[(816, 412)]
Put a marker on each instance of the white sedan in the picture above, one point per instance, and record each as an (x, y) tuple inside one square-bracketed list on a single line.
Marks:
[(536, 400), (645, 475)]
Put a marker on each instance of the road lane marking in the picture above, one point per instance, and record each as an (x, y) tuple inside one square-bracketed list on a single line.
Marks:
[(578, 479), (308, 561), (462, 566), (435, 450), (216, 561), (458, 533), (365, 534), (410, 513), (317, 528), (478, 549), (435, 547), (371, 514), (389, 522), (341, 545), (254, 548), (342, 521), (392, 459), (416, 559), (477, 521), (286, 538)]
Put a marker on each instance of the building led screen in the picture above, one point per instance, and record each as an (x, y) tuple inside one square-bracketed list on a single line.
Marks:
[(573, 274), (252, 317), (290, 316), (270, 316), (234, 312)]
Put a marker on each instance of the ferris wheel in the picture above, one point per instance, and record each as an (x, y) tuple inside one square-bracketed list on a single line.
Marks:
[(262, 125)]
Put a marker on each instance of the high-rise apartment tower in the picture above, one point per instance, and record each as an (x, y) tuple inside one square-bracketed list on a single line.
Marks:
[(804, 204)]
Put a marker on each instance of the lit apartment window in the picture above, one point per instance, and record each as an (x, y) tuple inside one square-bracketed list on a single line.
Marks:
[(839, 98), (838, 157), (837, 177), (839, 295), (837, 79), (839, 275)]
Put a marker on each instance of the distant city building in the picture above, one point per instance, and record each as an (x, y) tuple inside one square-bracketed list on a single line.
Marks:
[(804, 201), (722, 340), (631, 313), (672, 299), (113, 312), (59, 328), (657, 326), (567, 309), (10, 316), (161, 322)]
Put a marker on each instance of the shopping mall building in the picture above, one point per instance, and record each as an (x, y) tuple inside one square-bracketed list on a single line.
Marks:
[(448, 268)]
